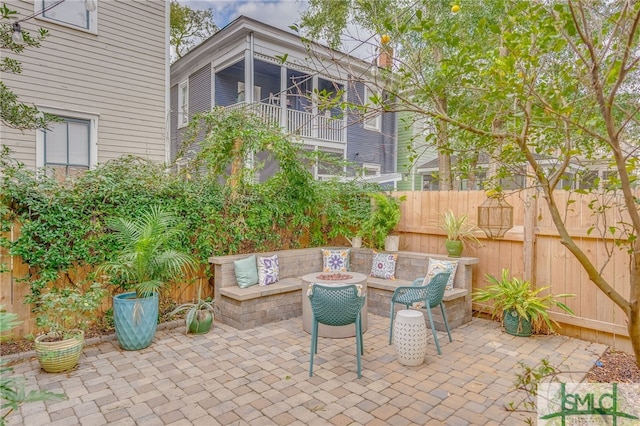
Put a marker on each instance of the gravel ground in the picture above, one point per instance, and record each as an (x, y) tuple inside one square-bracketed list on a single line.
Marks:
[(615, 367)]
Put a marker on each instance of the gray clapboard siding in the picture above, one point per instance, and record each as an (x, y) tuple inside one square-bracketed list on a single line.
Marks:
[(118, 74)]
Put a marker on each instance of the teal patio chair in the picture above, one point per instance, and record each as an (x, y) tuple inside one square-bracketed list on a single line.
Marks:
[(431, 295), (336, 306)]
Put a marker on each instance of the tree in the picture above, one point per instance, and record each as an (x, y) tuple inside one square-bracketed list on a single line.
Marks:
[(545, 88), (14, 113), (418, 55), (189, 27)]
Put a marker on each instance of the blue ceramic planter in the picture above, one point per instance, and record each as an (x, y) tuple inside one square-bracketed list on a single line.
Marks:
[(135, 319), (516, 325)]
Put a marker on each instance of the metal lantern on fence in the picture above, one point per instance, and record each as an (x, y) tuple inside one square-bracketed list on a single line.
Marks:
[(495, 216)]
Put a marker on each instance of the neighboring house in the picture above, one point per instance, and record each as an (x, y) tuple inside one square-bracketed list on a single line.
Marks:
[(104, 72), (242, 66), (416, 146)]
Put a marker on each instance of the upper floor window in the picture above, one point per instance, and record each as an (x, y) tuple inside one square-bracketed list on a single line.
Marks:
[(67, 146), (370, 169), (80, 14), (372, 119), (183, 103)]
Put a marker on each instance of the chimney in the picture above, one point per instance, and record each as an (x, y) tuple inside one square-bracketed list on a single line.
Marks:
[(385, 59)]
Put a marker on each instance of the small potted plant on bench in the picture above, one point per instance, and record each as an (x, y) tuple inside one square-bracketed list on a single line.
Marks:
[(459, 232), (385, 216)]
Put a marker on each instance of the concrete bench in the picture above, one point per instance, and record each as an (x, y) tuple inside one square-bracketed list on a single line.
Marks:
[(412, 265), (245, 308)]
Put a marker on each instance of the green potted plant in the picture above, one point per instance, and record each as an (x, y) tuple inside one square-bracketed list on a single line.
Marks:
[(64, 314), (199, 314), (459, 232), (522, 309), (145, 264), (13, 389), (383, 221)]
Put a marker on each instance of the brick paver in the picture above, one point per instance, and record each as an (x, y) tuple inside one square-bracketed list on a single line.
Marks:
[(261, 376)]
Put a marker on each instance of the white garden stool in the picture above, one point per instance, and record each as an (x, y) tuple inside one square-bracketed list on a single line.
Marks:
[(410, 337)]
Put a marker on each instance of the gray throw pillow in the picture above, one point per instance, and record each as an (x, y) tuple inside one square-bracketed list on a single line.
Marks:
[(246, 271)]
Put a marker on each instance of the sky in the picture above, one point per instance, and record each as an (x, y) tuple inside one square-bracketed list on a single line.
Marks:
[(278, 13)]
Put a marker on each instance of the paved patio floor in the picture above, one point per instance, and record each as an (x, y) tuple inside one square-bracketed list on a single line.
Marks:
[(260, 377)]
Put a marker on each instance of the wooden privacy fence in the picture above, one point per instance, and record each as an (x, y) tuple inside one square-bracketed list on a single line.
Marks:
[(13, 290), (532, 250)]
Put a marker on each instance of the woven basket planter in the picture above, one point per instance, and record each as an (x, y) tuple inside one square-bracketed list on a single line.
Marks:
[(63, 355)]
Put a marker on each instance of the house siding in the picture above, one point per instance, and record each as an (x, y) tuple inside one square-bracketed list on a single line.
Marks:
[(118, 74), (200, 90), (405, 135), (367, 146)]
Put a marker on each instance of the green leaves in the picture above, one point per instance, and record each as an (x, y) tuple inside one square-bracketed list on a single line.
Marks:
[(516, 294)]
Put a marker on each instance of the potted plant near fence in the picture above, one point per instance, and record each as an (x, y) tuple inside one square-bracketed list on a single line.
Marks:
[(145, 264), (381, 225), (199, 316), (459, 232), (64, 314), (522, 309)]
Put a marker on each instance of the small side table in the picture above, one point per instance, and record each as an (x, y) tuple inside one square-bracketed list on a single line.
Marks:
[(410, 337)]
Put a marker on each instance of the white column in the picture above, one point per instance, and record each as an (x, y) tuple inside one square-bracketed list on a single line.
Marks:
[(283, 98), (314, 110)]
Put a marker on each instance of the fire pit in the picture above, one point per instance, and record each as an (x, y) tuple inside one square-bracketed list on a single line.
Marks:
[(332, 279), (337, 276)]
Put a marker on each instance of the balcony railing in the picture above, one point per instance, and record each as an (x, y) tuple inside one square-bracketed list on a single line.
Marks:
[(301, 123)]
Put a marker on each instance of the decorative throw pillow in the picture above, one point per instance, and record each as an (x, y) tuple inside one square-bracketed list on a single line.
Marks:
[(436, 266), (335, 260), (384, 265), (246, 271), (268, 270)]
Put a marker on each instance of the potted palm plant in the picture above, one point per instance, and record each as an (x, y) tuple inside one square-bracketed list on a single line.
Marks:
[(64, 314), (144, 264), (199, 316), (380, 227), (522, 309), (459, 232)]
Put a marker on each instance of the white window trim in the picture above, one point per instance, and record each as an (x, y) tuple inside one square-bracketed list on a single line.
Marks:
[(183, 112), (257, 92), (93, 134), (93, 18), (377, 119), (374, 167)]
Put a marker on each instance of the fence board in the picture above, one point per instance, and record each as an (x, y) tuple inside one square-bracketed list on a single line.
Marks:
[(597, 318)]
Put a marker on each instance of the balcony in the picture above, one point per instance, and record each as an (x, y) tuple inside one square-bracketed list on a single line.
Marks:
[(299, 123)]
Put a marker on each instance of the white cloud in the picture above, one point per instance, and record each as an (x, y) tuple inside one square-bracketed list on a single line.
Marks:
[(281, 14), (278, 13)]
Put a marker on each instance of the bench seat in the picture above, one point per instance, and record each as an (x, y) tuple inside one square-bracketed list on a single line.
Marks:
[(245, 308), (381, 290), (285, 285)]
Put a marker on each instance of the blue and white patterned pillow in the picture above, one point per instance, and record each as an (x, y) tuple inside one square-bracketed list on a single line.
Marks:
[(436, 266), (384, 265), (268, 270), (335, 260)]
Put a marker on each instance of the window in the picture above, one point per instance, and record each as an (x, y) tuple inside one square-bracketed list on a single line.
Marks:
[(370, 169), (67, 146), (372, 119), (183, 103), (70, 145), (257, 93), (72, 13)]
